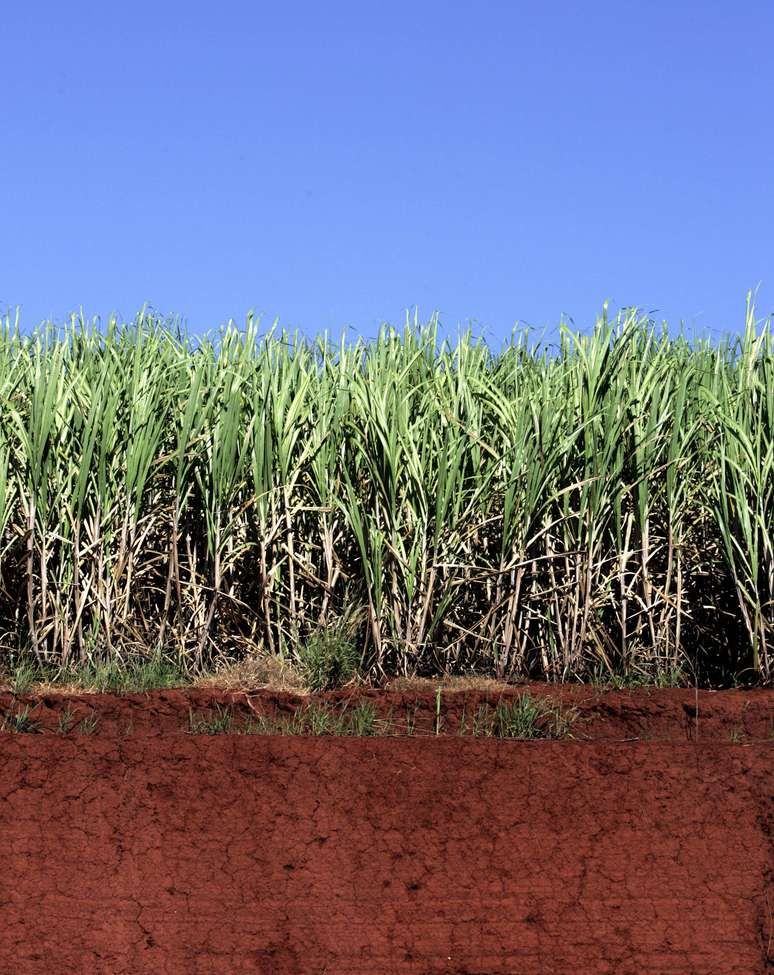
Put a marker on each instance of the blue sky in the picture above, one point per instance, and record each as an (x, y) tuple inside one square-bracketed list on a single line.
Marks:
[(333, 164)]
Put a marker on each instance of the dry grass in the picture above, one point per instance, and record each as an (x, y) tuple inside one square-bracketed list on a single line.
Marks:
[(421, 685), (66, 689), (255, 672), (47, 687)]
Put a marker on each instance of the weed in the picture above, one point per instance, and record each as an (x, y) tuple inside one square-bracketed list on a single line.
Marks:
[(88, 725), (672, 676), (411, 719), (361, 720), (23, 675), (482, 722), (462, 728), (529, 717), (318, 720), (66, 719), (19, 722), (262, 725), (208, 723), (663, 676), (136, 675), (328, 659)]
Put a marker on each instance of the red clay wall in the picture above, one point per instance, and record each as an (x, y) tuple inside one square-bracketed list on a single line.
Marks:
[(176, 855)]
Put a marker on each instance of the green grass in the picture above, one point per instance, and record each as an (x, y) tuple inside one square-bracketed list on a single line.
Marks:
[(218, 721), (328, 660), (525, 717), (530, 717), (405, 505), (19, 722), (88, 725), (66, 719), (665, 677), (22, 676), (137, 675), (320, 720)]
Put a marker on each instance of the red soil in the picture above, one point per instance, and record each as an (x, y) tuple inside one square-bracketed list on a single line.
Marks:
[(648, 714), (178, 855)]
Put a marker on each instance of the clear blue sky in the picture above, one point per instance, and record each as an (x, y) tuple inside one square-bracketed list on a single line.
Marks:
[(333, 163)]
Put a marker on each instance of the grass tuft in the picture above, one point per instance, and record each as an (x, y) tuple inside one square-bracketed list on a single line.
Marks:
[(19, 722), (328, 660), (88, 725), (321, 719), (219, 722), (137, 675), (530, 717), (66, 719)]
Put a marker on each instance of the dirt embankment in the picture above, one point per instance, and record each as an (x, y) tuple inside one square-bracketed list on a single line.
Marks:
[(648, 714), (174, 854)]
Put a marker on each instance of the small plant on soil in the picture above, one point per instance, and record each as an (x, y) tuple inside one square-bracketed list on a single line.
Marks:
[(361, 721), (523, 717), (136, 675), (207, 723), (462, 727), (411, 718), (88, 725), (261, 724), (23, 675), (482, 722), (319, 720), (19, 722), (66, 719), (315, 719), (673, 676), (529, 717), (736, 736), (670, 675), (328, 659)]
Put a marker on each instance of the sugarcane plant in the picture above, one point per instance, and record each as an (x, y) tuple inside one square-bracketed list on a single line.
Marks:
[(604, 503)]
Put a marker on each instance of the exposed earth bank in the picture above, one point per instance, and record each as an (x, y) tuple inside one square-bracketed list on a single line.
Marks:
[(150, 850), (649, 714)]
